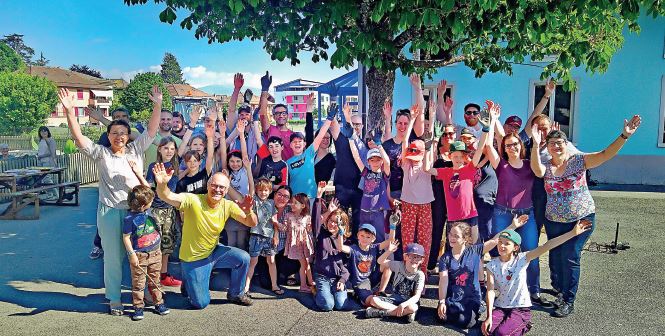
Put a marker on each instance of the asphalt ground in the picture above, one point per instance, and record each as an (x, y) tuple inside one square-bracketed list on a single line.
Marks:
[(49, 286)]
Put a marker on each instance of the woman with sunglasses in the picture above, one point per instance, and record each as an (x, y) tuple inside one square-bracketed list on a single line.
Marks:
[(569, 201)]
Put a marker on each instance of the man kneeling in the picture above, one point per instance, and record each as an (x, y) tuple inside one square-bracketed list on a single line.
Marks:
[(200, 251)]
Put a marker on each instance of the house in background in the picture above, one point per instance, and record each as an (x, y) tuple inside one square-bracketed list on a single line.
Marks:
[(593, 114), (88, 91), (295, 95)]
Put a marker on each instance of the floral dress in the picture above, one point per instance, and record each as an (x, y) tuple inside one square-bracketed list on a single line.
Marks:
[(299, 243)]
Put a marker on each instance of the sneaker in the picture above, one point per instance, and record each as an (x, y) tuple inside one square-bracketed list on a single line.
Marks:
[(169, 281), (371, 312), (411, 317), (96, 253), (559, 300), (541, 301), (161, 309), (138, 314), (242, 300), (116, 309), (564, 310)]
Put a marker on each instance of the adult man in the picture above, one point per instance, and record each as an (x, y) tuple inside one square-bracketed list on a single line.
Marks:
[(165, 125), (280, 113), (204, 217), (244, 114), (119, 113), (178, 127)]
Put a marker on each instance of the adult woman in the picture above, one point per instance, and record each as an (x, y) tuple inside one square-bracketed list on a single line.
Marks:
[(325, 161), (46, 154), (393, 146), (439, 212), (569, 201), (115, 179)]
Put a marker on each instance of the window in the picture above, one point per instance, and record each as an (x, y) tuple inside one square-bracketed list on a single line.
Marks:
[(661, 135), (561, 108), (80, 111), (429, 90), (79, 94)]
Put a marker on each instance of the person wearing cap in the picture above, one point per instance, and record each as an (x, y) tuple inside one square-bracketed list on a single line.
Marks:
[(513, 124), (408, 284), (471, 115), (417, 192), (569, 200), (301, 165), (374, 183), (233, 139), (509, 313)]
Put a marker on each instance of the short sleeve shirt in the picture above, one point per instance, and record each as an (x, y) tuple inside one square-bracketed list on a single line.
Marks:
[(197, 184), (458, 188), (463, 283), (202, 225), (568, 196), (172, 184), (143, 232), (515, 185), (301, 173), (375, 190), (510, 281), (362, 263), (276, 172), (264, 211), (116, 177), (417, 187), (273, 130), (406, 284)]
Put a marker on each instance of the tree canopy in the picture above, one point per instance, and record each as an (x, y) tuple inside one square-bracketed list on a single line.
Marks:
[(15, 41), (41, 61), (9, 60), (25, 102), (135, 96), (171, 72), (84, 69)]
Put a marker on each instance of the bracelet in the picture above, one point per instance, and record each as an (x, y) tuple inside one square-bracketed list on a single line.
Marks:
[(486, 129), (393, 227), (623, 136), (442, 301), (131, 252)]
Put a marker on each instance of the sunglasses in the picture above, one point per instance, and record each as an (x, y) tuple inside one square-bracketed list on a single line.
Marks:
[(512, 145), (449, 134), (413, 150), (472, 113)]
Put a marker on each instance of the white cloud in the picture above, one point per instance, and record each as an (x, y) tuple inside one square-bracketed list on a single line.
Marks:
[(199, 76), (129, 75)]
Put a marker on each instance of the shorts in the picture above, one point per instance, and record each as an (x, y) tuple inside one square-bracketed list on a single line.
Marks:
[(261, 246), (166, 220), (394, 299), (364, 290)]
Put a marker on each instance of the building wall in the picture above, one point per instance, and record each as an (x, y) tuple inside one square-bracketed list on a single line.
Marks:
[(633, 84), (81, 100)]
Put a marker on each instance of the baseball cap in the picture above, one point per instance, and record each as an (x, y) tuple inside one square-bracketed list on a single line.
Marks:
[(374, 152), (368, 227), (244, 108), (415, 248), (416, 150), (457, 146), (511, 235), (514, 121), (466, 131)]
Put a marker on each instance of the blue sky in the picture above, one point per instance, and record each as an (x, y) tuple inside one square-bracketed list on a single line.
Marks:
[(121, 40)]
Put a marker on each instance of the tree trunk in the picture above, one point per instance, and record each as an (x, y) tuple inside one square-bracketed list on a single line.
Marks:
[(380, 84)]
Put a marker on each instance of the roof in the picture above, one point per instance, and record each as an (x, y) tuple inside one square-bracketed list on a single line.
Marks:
[(119, 83), (68, 78), (347, 85), (185, 90), (300, 83)]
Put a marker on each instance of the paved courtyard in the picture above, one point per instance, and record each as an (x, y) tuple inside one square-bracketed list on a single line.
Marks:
[(49, 286)]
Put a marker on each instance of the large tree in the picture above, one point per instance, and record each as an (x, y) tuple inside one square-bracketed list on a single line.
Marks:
[(9, 60), (15, 41), (171, 71), (421, 35), (84, 69), (41, 61), (135, 96), (25, 102)]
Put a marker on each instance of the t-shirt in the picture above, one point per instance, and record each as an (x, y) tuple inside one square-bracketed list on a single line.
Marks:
[(197, 184), (515, 185), (406, 284), (202, 225), (463, 281), (273, 130), (486, 184), (239, 181), (375, 190), (301, 173), (394, 151), (264, 211), (324, 168), (362, 264), (510, 282), (276, 172), (417, 187), (568, 196), (437, 187), (458, 187), (172, 184), (250, 141), (151, 152), (116, 177), (348, 174), (143, 232)]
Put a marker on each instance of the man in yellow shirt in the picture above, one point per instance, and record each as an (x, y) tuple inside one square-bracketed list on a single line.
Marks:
[(200, 251)]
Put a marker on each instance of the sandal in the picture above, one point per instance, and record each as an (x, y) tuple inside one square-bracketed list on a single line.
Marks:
[(278, 291), (116, 309)]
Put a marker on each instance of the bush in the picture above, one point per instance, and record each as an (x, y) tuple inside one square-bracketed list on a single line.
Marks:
[(25, 102), (63, 125)]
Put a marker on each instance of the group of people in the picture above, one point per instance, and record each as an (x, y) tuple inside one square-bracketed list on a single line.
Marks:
[(420, 197)]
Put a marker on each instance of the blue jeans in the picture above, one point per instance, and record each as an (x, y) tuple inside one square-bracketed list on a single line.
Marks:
[(196, 274), (565, 259), (529, 232), (327, 297), (484, 218)]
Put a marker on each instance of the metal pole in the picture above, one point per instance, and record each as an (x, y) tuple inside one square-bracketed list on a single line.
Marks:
[(362, 96)]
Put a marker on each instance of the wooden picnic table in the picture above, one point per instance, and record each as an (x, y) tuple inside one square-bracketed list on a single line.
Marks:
[(23, 186)]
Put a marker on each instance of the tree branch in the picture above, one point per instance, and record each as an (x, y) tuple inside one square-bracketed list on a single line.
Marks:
[(433, 63)]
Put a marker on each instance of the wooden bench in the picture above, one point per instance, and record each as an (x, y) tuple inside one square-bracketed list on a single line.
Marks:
[(68, 194)]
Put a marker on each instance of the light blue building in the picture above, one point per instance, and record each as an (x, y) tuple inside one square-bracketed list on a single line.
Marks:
[(593, 114)]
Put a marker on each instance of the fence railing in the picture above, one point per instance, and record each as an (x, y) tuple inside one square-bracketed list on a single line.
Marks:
[(79, 167), (25, 142)]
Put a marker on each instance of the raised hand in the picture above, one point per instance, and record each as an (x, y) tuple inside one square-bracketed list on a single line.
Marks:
[(415, 80), (238, 81), (266, 81), (320, 189), (387, 109), (195, 115), (246, 204), (161, 175), (550, 87), (441, 88), (494, 110), (156, 95), (95, 113), (135, 167), (556, 126), (438, 129), (394, 244), (66, 100), (346, 109), (334, 205), (448, 105), (332, 112), (310, 102), (241, 126), (535, 134), (581, 227), (416, 110), (246, 162), (378, 135), (520, 221), (210, 131), (630, 126)]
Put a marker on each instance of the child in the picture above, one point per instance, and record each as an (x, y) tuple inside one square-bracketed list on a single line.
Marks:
[(374, 182), (142, 240), (458, 183), (264, 237), (460, 270), (408, 284), (507, 272), (299, 244), (330, 272), (165, 214), (195, 180), (240, 174), (271, 165)]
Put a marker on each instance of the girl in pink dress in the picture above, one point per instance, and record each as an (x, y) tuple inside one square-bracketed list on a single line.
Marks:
[(299, 245)]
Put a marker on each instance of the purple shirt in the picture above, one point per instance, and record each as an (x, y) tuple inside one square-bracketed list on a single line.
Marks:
[(375, 190), (515, 185)]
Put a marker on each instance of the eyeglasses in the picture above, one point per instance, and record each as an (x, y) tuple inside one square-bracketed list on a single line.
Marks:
[(416, 257), (283, 195), (119, 134), (218, 187), (278, 113), (472, 113), (356, 125), (449, 134), (512, 145), (556, 143)]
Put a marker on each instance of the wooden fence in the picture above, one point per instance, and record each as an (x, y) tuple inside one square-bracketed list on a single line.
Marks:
[(79, 167), (25, 142)]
